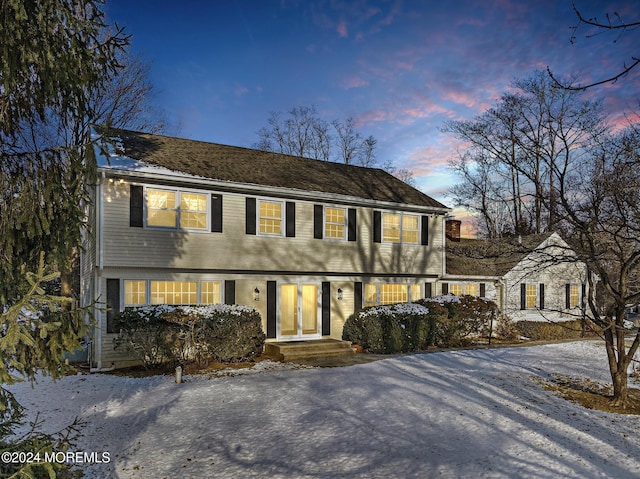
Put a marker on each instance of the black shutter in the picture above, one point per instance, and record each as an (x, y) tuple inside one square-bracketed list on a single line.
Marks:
[(445, 288), (377, 227), (424, 237), (326, 308), (271, 309), (113, 302), (318, 221), (352, 224), (230, 292), (250, 216), (583, 298), (428, 290), (483, 290), (523, 296), (290, 224), (357, 296), (136, 206), (216, 213), (541, 295), (567, 295)]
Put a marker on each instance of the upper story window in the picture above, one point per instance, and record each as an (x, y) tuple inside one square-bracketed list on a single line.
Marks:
[(270, 217), (400, 228), (176, 209), (335, 223)]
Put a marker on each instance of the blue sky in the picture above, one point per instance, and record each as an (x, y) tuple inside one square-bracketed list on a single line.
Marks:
[(399, 68)]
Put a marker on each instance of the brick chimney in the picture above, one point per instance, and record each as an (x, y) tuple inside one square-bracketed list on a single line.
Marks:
[(452, 230)]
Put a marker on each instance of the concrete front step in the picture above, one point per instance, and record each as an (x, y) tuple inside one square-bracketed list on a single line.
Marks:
[(285, 351)]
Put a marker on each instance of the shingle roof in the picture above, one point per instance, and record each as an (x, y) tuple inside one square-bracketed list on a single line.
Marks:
[(244, 165), (475, 257)]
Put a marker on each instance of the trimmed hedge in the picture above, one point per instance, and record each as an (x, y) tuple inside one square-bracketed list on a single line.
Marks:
[(444, 321), (545, 330), (169, 335)]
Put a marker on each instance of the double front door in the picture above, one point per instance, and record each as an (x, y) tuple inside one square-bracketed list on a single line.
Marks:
[(299, 306)]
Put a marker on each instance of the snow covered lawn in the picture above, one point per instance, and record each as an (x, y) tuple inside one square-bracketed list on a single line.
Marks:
[(463, 414)]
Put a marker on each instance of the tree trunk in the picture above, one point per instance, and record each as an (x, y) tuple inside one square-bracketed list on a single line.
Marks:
[(618, 361)]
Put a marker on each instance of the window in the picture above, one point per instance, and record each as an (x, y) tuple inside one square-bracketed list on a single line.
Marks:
[(574, 296), (392, 293), (472, 289), (455, 289), (391, 228), (161, 208), (410, 229), (531, 296), (416, 292), (270, 215), (193, 211), (370, 295), (135, 293), (398, 228), (334, 223), (210, 293), (172, 292), (169, 208)]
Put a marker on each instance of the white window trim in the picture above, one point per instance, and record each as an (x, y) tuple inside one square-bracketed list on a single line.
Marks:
[(178, 192), (283, 219), (401, 215), (345, 225)]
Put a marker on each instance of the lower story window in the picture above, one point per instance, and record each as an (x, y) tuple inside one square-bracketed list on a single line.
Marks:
[(391, 293), (173, 292), (210, 292), (574, 296), (143, 292), (531, 296), (458, 289), (135, 293)]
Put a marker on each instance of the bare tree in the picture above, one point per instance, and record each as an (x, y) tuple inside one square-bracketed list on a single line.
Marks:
[(347, 140), (127, 101), (612, 22), (598, 201), (303, 133), (515, 146)]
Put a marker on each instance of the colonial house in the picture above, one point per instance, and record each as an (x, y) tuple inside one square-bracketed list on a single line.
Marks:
[(307, 242), (532, 277)]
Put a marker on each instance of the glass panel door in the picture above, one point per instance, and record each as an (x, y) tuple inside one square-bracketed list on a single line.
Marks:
[(309, 309), (298, 311), (289, 309)]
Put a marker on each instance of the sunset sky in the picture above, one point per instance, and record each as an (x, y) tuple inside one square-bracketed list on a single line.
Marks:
[(399, 68)]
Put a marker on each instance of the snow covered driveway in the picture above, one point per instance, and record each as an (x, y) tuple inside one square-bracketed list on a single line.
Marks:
[(463, 414)]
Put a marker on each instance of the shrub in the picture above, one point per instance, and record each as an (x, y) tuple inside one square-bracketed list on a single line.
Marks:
[(546, 330), (506, 328), (227, 332), (145, 334), (169, 335), (391, 329), (466, 317), (444, 321)]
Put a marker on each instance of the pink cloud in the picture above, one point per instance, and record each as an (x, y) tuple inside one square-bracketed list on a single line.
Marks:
[(342, 29), (355, 82), (373, 116)]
